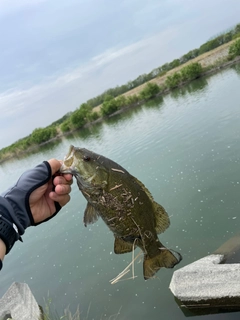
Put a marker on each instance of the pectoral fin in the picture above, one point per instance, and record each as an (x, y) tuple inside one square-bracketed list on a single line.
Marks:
[(90, 215), (121, 246)]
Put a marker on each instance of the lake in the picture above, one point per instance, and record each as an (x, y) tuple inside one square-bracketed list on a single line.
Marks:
[(185, 148)]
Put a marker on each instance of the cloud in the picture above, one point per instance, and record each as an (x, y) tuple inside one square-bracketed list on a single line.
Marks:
[(18, 97)]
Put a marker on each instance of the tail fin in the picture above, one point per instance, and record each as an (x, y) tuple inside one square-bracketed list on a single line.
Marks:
[(164, 259)]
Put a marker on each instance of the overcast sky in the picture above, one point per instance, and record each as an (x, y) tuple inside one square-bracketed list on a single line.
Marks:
[(55, 54)]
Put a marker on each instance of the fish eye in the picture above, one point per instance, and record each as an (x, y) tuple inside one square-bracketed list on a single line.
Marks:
[(86, 158)]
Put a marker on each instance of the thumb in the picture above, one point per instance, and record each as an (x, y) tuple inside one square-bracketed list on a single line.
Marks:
[(55, 165)]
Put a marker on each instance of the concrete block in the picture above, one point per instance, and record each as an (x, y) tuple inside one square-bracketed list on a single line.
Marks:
[(20, 303), (208, 284)]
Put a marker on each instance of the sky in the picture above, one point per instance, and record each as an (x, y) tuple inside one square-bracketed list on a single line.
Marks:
[(55, 54)]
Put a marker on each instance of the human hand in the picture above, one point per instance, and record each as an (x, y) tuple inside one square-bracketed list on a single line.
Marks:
[(36, 197), (53, 195)]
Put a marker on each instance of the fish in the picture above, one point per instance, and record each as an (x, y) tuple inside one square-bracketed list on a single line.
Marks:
[(125, 205)]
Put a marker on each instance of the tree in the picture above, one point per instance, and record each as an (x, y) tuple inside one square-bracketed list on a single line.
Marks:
[(234, 49), (190, 72), (190, 55), (237, 28), (227, 37), (40, 135), (149, 91), (121, 101), (165, 67), (107, 97), (173, 80), (93, 116), (80, 116), (210, 45), (175, 63), (133, 99), (78, 119), (85, 108), (65, 126), (109, 106), (155, 72)]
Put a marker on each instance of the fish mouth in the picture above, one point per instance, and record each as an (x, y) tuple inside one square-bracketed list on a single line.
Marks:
[(69, 166), (65, 169), (68, 161)]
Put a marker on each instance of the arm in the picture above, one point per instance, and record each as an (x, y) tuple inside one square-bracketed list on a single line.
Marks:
[(37, 196)]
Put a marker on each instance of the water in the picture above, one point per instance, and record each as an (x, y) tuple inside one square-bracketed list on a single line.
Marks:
[(185, 148)]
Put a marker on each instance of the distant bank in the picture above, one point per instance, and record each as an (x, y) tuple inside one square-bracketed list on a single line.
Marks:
[(209, 62)]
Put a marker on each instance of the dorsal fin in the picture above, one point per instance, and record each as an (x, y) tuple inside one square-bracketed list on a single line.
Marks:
[(144, 189), (162, 218)]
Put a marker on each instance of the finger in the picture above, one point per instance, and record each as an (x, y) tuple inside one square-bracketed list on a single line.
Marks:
[(61, 199), (66, 179), (62, 189), (55, 165)]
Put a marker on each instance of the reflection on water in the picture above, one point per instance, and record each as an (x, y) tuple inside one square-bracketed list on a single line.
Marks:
[(93, 131), (236, 67), (49, 146), (155, 103), (128, 114), (36, 150), (96, 129), (185, 149), (191, 88)]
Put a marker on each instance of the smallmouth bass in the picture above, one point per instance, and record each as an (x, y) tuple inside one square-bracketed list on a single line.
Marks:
[(124, 204)]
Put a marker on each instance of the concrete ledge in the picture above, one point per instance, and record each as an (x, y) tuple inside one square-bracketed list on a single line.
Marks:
[(208, 283), (19, 303), (206, 279)]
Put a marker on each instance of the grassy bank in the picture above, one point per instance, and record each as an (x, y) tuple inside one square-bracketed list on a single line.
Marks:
[(85, 115)]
